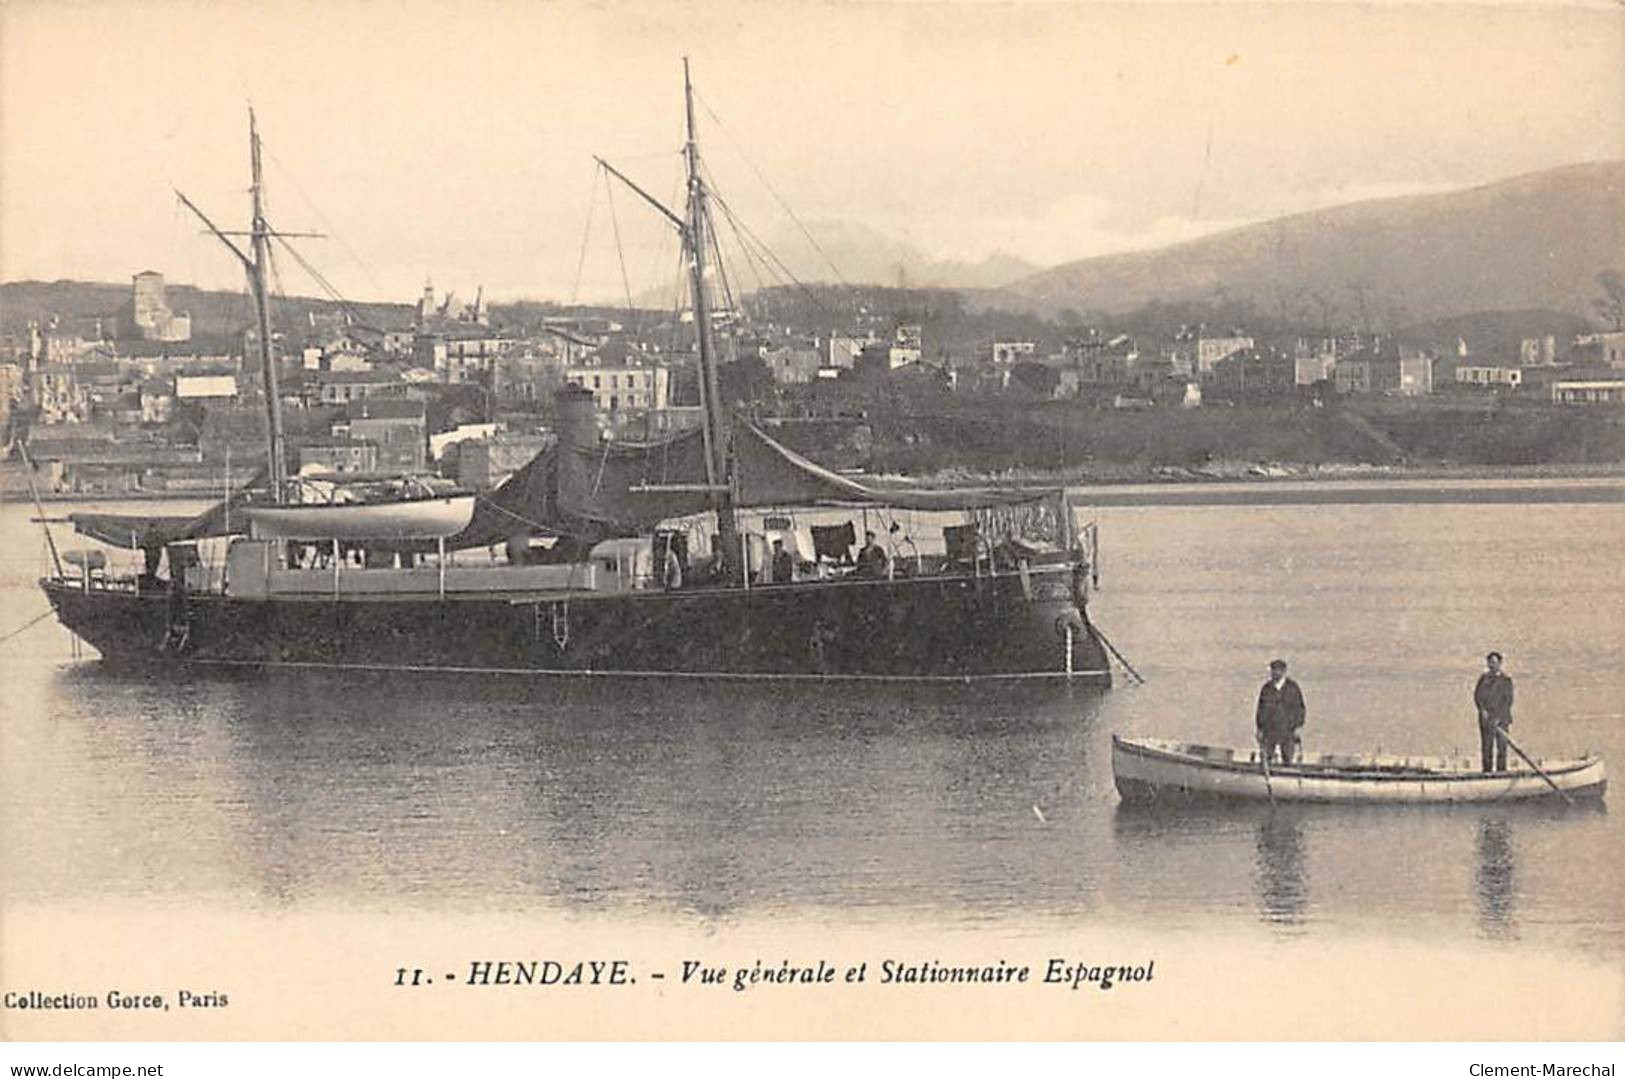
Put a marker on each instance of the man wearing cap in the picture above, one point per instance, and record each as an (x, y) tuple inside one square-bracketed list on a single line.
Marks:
[(1280, 714), (1493, 697)]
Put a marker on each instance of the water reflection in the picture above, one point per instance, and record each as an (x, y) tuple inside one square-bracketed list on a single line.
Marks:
[(1282, 882), (1496, 877), (711, 800)]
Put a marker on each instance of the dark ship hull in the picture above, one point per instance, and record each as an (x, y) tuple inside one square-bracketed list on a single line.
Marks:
[(1011, 625)]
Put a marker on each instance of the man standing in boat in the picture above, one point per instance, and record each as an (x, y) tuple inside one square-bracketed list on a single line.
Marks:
[(1493, 696), (873, 562), (1280, 714)]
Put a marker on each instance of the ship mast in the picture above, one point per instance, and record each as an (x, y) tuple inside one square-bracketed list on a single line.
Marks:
[(262, 309), (694, 240), (692, 229), (716, 464), (256, 266)]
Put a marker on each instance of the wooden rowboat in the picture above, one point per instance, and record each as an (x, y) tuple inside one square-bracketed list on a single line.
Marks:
[(408, 519), (1155, 770)]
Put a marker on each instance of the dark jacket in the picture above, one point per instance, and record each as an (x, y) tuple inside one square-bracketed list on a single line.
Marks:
[(1493, 695), (1280, 711), (873, 561)]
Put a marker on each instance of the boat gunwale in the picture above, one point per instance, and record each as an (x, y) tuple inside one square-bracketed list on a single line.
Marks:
[(523, 596), (1347, 775)]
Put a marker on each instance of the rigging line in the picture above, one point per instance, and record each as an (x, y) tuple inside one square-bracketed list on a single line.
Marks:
[(739, 226), (678, 288), (327, 222), (773, 259), (771, 190), (662, 250), (36, 620), (30, 623), (722, 270), (620, 253), (751, 261), (755, 263), (518, 516), (586, 233), (281, 295), (355, 313)]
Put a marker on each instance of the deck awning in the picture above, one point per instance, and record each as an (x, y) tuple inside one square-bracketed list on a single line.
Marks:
[(145, 531)]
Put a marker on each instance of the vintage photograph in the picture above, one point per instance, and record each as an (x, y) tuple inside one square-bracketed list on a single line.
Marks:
[(843, 521)]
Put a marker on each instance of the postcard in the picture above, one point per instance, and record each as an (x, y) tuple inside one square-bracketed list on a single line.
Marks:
[(851, 521)]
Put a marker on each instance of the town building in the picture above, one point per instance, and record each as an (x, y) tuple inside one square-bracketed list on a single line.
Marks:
[(1251, 372), (1385, 369), (1313, 362), (629, 387), (147, 315), (1005, 353), (792, 364), (55, 391), (1607, 349), (1101, 361), (399, 428), (1600, 390), (841, 351), (1415, 373), (1207, 351), (157, 401), (206, 387), (1537, 351), (337, 454), (342, 387), (1489, 376)]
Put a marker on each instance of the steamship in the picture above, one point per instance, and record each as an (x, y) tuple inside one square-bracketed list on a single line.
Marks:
[(663, 558)]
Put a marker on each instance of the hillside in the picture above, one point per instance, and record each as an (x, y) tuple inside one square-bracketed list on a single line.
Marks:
[(1534, 241), (216, 314)]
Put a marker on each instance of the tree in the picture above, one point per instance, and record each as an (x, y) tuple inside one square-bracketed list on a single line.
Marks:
[(1611, 304)]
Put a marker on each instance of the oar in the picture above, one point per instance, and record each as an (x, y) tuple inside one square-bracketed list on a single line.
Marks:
[(1541, 772), (1264, 752)]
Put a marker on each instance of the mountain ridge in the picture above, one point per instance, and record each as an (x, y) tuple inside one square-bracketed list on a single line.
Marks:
[(1536, 240)]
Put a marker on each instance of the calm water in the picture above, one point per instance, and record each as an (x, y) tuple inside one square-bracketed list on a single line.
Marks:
[(952, 806)]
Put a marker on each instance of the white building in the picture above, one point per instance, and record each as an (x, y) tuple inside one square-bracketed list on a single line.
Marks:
[(1597, 391), (615, 389), (204, 387), (1489, 375), (1008, 352)]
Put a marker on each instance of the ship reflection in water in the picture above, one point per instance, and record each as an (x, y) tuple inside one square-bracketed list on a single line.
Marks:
[(714, 803)]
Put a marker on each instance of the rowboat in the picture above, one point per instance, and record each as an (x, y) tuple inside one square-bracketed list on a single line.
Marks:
[(1157, 770), (408, 519)]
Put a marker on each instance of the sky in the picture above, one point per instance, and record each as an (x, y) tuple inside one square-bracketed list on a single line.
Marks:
[(454, 142)]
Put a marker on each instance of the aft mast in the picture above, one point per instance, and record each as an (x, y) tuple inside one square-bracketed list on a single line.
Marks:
[(716, 458), (692, 229)]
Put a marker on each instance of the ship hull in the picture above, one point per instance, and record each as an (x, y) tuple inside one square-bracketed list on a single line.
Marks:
[(948, 628)]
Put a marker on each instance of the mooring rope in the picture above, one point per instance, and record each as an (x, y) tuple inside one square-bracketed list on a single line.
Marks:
[(1112, 648), (42, 616)]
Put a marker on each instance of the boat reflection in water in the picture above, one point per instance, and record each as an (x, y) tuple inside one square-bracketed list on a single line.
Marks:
[(1496, 881), (1283, 885)]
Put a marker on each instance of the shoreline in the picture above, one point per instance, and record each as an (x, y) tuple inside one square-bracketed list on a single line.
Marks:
[(1235, 475), (1228, 482)]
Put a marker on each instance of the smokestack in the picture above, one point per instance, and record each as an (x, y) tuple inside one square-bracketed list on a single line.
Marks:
[(576, 414)]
